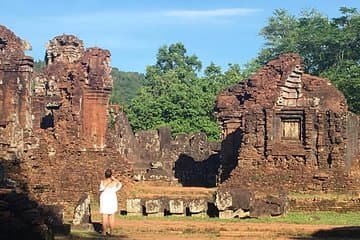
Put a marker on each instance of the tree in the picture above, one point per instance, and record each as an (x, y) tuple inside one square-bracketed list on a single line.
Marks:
[(174, 58), (125, 86), (346, 77), (308, 35), (174, 95), (39, 65), (330, 47)]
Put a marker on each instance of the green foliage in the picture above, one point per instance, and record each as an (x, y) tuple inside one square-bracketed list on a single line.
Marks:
[(125, 85), (330, 47), (310, 35), (174, 58), (112, 119), (174, 95), (250, 68), (346, 77), (39, 65)]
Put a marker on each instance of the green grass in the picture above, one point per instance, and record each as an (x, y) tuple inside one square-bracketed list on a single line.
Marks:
[(320, 217), (312, 218)]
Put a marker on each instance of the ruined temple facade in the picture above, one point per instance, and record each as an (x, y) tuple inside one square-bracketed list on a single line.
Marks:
[(15, 106), (282, 129), (55, 136), (76, 83), (72, 141), (285, 129), (190, 159), (58, 132)]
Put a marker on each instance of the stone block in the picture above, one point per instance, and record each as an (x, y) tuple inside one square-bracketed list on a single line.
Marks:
[(223, 200), (240, 213), (82, 211), (197, 206), (241, 199), (153, 207), (226, 214), (133, 207), (176, 206)]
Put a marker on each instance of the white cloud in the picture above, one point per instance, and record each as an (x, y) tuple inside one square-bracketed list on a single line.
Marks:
[(116, 17), (221, 12)]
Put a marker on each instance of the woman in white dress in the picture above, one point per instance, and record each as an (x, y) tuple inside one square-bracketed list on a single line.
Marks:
[(108, 200)]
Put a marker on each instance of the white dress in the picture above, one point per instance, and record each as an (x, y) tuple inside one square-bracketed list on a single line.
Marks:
[(108, 198)]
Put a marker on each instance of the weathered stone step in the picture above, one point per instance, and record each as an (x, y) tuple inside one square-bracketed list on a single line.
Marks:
[(292, 85)]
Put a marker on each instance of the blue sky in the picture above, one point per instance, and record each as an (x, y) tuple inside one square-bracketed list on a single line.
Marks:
[(216, 31)]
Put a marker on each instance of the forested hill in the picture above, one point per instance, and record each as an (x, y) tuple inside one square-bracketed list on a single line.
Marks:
[(125, 85)]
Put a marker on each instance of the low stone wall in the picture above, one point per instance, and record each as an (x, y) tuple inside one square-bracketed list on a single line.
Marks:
[(243, 203), (225, 204), (317, 204), (166, 207)]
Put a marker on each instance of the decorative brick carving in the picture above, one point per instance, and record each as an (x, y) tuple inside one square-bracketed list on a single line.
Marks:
[(55, 136), (282, 128)]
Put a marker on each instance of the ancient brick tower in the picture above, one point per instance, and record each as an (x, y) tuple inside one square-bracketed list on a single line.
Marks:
[(286, 129), (55, 138), (15, 79), (76, 80)]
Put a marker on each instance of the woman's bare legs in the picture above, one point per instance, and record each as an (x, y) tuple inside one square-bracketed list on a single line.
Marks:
[(105, 223), (111, 222)]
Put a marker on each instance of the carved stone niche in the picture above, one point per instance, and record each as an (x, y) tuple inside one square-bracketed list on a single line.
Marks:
[(289, 126)]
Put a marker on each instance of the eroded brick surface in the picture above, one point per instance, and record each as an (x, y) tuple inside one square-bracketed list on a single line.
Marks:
[(59, 132), (282, 130), (56, 137), (15, 79), (287, 130)]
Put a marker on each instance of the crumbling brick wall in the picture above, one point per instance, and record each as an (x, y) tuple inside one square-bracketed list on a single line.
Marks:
[(75, 86), (15, 114), (57, 137), (190, 158), (75, 137), (59, 132), (290, 130)]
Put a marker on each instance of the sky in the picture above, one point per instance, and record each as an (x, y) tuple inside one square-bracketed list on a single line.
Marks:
[(218, 31)]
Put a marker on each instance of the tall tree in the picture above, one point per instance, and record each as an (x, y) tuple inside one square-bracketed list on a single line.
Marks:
[(327, 45), (174, 95)]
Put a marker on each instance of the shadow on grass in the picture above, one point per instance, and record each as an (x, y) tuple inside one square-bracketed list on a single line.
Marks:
[(97, 227), (93, 236), (351, 232), (64, 232)]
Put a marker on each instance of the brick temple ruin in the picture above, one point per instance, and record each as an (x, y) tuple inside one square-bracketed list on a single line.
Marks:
[(286, 130), (283, 130), (58, 132)]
